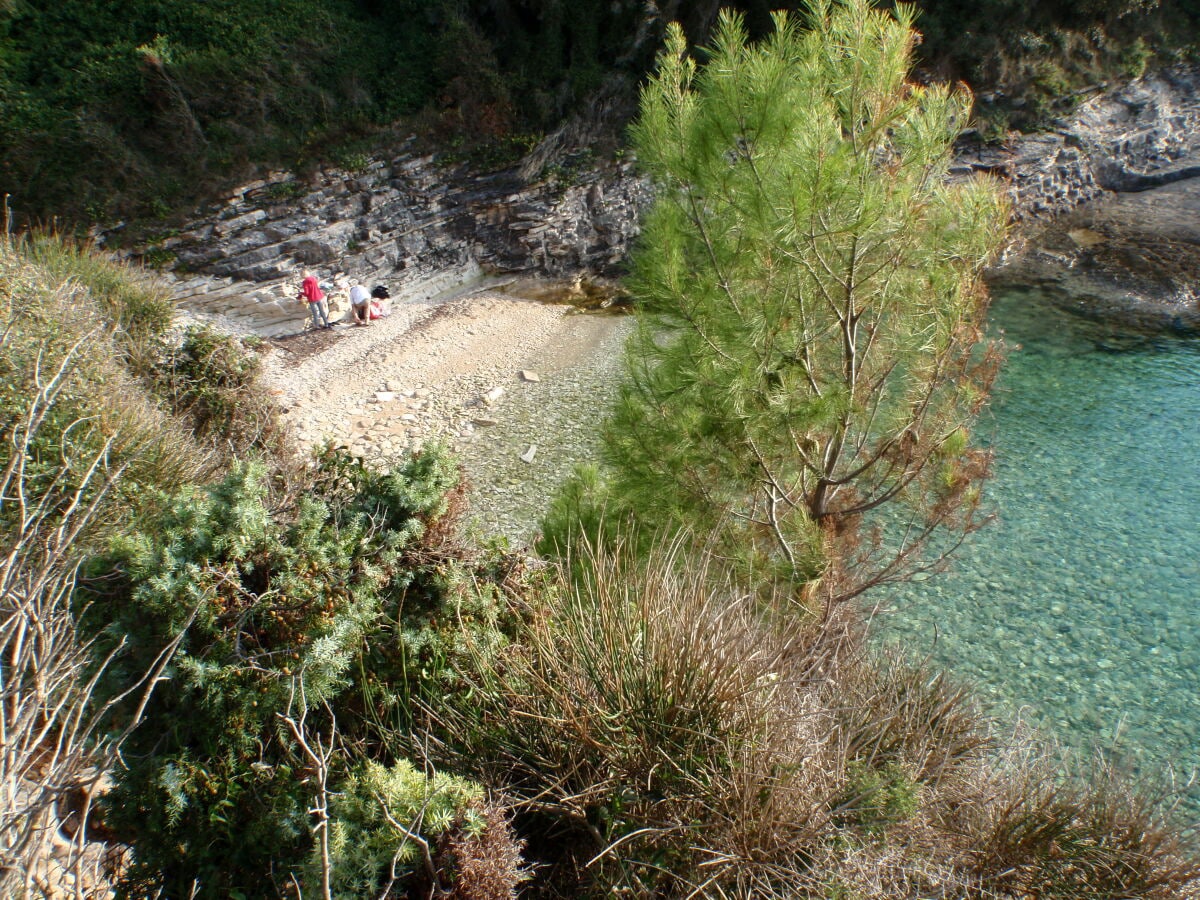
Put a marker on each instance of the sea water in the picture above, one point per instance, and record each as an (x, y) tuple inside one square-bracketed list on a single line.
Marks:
[(1078, 607)]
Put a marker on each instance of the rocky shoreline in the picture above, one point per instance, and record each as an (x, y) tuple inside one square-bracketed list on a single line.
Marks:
[(1109, 206), (1109, 217), (427, 230)]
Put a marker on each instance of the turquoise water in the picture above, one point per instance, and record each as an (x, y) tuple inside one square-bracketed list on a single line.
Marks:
[(1080, 603)]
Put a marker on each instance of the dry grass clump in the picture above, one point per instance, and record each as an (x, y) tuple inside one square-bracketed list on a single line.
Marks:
[(1037, 830), (667, 735), (80, 441), (49, 317), (487, 863)]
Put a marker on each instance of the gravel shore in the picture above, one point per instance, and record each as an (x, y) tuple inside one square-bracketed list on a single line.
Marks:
[(515, 387)]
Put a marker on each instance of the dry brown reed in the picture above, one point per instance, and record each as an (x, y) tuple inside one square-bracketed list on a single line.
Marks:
[(73, 429), (672, 736)]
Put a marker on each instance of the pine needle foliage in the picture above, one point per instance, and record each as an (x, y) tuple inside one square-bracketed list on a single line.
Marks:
[(810, 358)]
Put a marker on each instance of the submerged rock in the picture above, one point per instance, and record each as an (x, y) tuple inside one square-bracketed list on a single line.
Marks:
[(1133, 258)]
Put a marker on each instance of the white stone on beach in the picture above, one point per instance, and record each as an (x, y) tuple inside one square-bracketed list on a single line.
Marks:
[(529, 454)]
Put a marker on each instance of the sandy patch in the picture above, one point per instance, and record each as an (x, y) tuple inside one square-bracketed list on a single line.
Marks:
[(422, 373)]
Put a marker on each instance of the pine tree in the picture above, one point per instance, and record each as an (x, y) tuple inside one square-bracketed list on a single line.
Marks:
[(810, 358)]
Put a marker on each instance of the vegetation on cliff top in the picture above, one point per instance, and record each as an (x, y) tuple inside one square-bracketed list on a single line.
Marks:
[(303, 682), (810, 359), (139, 108)]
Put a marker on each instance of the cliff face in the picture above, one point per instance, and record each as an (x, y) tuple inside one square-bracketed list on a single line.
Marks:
[(406, 222), (1111, 204), (423, 229)]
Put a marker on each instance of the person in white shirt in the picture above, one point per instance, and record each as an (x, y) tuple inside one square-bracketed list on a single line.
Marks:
[(360, 304)]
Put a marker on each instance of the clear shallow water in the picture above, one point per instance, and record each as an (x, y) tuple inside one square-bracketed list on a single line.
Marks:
[(1081, 602)]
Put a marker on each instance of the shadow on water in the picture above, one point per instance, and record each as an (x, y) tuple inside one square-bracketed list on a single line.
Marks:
[(1081, 602)]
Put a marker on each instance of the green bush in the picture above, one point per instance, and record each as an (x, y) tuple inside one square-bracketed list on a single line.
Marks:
[(878, 797), (213, 380), (341, 611), (393, 825), (158, 101), (139, 310), (385, 816)]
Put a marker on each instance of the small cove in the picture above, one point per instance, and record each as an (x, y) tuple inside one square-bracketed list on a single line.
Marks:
[(1080, 604)]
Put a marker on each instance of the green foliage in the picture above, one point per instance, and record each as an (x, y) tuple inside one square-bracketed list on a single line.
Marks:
[(74, 316), (158, 257), (139, 311), (380, 814), (579, 514), (318, 609), (171, 94), (354, 162), (158, 100), (809, 298), (284, 190), (213, 379), (1135, 58), (878, 797)]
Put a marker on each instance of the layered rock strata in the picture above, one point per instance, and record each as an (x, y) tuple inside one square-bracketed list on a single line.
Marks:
[(420, 229), (424, 229)]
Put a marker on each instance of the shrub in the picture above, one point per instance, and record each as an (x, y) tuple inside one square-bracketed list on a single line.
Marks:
[(879, 797), (1055, 833), (340, 602), (139, 311), (664, 733), (391, 823), (79, 443), (284, 190), (213, 379), (62, 311), (1135, 58)]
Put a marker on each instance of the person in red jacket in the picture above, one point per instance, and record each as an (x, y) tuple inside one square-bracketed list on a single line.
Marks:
[(311, 293)]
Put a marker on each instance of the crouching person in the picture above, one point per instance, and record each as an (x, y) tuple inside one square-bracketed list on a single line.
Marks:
[(360, 305)]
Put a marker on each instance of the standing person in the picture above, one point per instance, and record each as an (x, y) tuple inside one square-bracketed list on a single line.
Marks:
[(311, 293), (360, 304)]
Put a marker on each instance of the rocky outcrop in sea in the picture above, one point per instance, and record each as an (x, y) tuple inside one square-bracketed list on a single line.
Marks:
[(1109, 204)]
